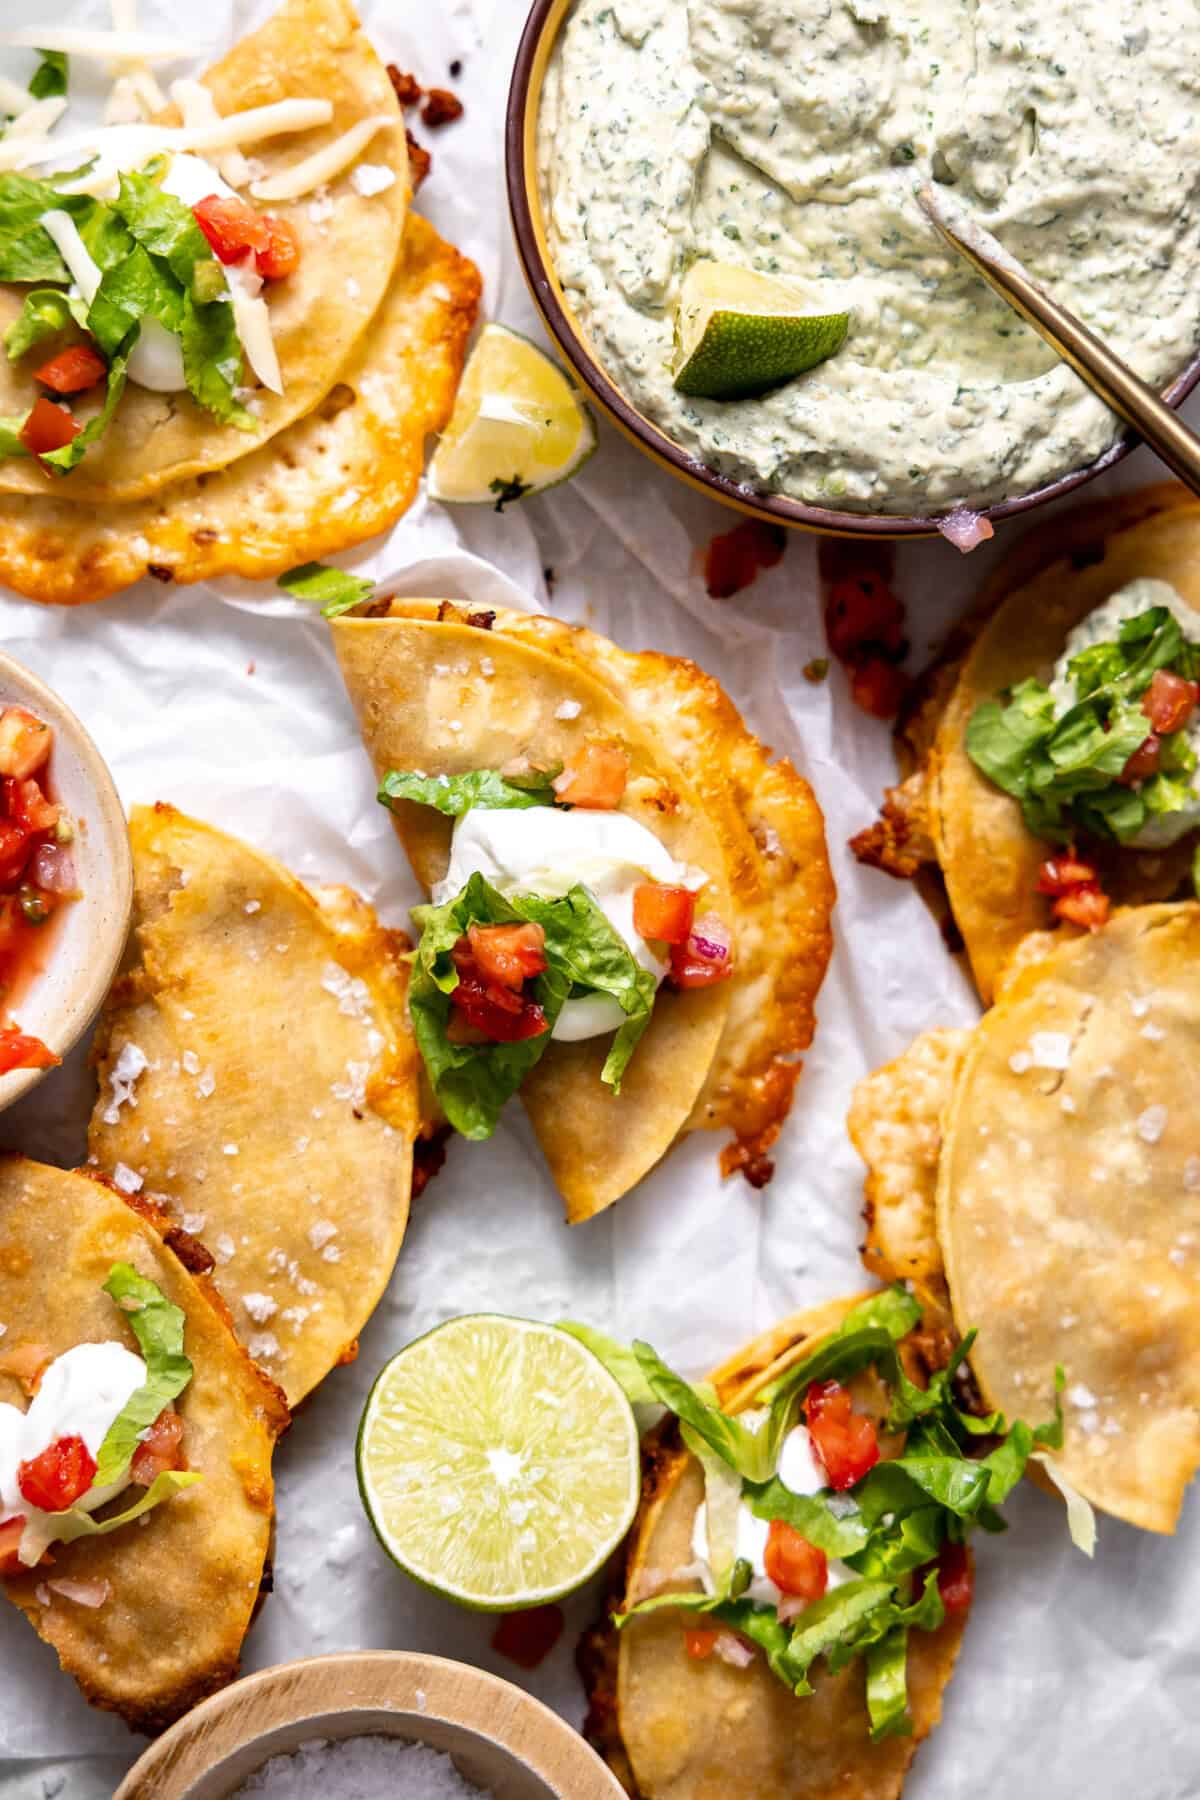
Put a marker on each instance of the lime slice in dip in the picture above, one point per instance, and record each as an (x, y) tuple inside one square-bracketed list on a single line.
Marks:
[(518, 425), (737, 334), (498, 1462)]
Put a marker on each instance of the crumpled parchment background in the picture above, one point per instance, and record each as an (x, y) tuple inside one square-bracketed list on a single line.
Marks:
[(1075, 1678)]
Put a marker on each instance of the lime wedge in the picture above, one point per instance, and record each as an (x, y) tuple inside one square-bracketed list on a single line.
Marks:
[(498, 1462), (737, 334), (518, 425)]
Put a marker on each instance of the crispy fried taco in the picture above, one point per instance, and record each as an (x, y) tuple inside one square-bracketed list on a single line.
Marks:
[(135, 1448), (1054, 759), (1038, 1177), (258, 1080), (629, 899), (798, 1579), (210, 312)]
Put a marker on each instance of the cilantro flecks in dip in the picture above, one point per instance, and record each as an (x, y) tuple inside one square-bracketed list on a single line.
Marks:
[(789, 136)]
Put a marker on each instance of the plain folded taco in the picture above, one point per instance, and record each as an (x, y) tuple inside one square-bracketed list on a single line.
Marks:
[(798, 1579), (629, 899), (136, 1438), (1037, 1179), (258, 1080), (1052, 760)]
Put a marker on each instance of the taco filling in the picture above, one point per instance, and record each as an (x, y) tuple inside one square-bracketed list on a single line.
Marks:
[(1109, 748), (101, 1420), (835, 1510), (558, 918)]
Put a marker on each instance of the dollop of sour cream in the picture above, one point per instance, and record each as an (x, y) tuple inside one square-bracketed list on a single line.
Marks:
[(80, 1394), (1101, 627), (542, 850), (801, 1473)]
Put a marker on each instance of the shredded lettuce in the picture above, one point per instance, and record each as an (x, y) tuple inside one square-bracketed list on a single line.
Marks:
[(49, 80), (158, 1327), (583, 952), (1065, 769), (64, 1527), (619, 1359), (1081, 1520), (46, 312), (335, 591), (455, 795)]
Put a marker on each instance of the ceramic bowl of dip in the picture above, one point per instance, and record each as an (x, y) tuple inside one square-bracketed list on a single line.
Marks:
[(59, 999), (534, 57), (498, 1737)]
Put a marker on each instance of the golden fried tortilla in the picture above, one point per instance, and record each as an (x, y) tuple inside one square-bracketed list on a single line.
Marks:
[(177, 1591), (1068, 1204), (275, 1114), (309, 49), (724, 1057), (345, 472), (675, 1729), (948, 812)]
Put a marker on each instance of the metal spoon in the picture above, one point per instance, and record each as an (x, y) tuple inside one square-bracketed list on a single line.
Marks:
[(1133, 399)]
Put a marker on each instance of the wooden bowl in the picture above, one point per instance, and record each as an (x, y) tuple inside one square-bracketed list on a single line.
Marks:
[(499, 1736), (546, 18), (62, 998)]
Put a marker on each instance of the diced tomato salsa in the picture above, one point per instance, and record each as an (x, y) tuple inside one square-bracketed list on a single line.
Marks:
[(793, 1564), (37, 872), (235, 230), (844, 1441), (59, 1476), (527, 1638), (486, 1006)]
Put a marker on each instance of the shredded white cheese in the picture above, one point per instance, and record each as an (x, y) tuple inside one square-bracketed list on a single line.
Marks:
[(38, 119), (198, 107), (14, 99), (109, 46), (324, 164), (253, 321), (85, 273), (131, 146)]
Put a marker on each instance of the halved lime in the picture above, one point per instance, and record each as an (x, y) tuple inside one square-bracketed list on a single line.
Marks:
[(498, 1462), (737, 333), (518, 425)]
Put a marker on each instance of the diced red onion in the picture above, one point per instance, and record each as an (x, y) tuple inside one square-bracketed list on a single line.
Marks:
[(53, 868), (83, 1593), (733, 1650), (711, 939), (791, 1606), (965, 528)]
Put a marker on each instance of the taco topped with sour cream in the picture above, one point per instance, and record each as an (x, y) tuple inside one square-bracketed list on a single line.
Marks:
[(629, 900), (1056, 753), (798, 1579)]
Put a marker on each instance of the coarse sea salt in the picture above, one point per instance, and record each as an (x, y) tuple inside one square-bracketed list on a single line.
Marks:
[(361, 1768)]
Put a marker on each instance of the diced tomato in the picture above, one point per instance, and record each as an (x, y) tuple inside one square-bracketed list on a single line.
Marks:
[(72, 371), (59, 1476), (48, 427), (594, 776), (15, 851), (734, 558), (1169, 701), (1063, 873), (878, 687), (1143, 763), (280, 255), (527, 1638), (793, 1564), (508, 955), (28, 807), (25, 742), (862, 614), (699, 1641), (234, 230), (231, 227), (19, 1051), (11, 1533), (1089, 907), (161, 1449), (844, 1440), (706, 957), (502, 1014), (663, 913), (956, 1579)]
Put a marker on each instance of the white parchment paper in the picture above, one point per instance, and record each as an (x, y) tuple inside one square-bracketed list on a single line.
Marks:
[(1074, 1679)]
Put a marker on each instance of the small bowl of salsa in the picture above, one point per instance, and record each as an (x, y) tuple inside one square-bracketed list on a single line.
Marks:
[(66, 880)]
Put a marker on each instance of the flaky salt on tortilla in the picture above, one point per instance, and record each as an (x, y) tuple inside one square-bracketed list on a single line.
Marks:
[(1066, 1212), (147, 1615), (343, 473), (1011, 865), (258, 1079), (348, 236), (798, 1579), (615, 811)]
